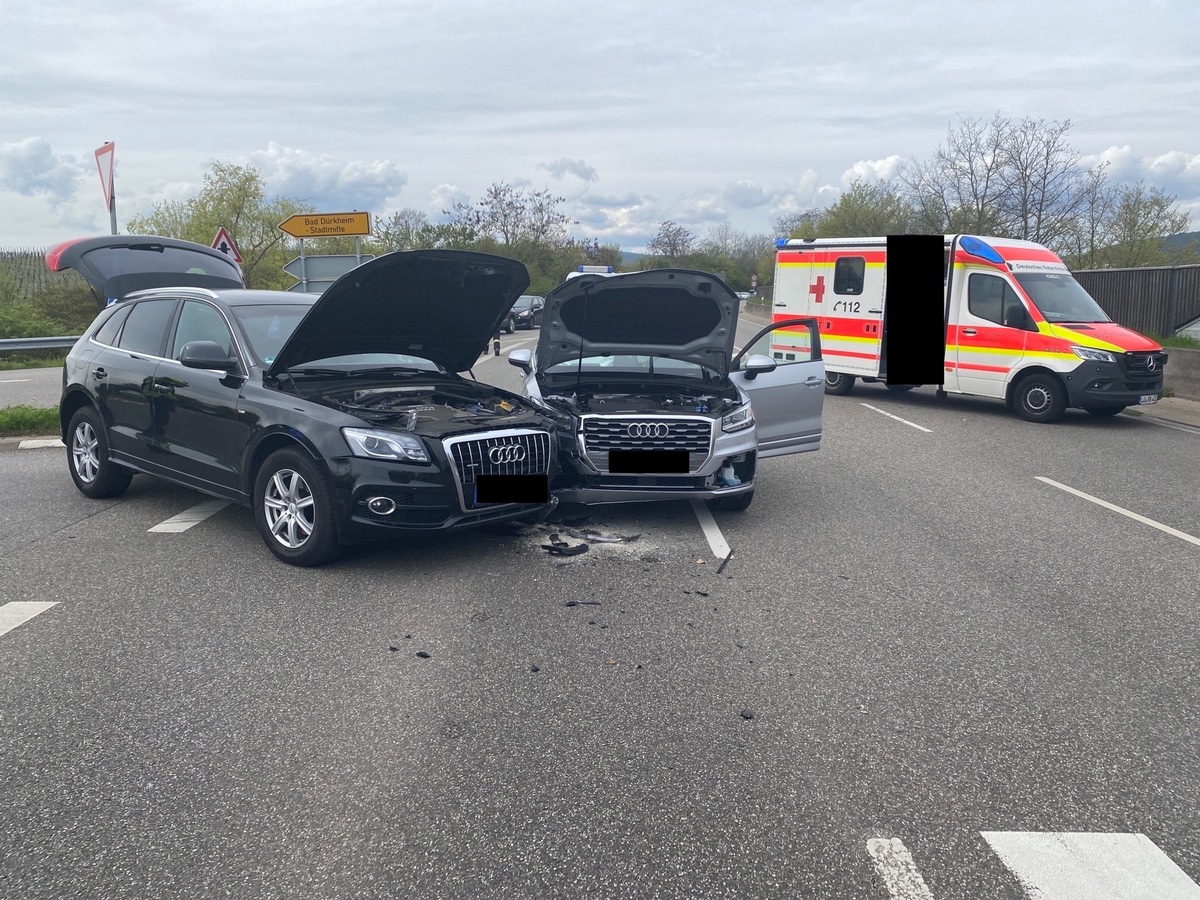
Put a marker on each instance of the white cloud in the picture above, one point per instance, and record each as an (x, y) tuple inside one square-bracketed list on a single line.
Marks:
[(746, 194), (576, 167), (32, 169), (873, 170), (327, 182), (442, 198)]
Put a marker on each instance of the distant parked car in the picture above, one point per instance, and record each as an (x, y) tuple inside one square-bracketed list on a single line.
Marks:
[(656, 403), (527, 311), (337, 418)]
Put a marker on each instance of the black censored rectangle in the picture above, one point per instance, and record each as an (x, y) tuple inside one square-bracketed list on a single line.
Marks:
[(914, 325), (512, 489), (648, 462)]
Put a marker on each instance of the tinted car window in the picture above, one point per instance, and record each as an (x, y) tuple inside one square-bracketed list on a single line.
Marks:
[(268, 327), (107, 333), (201, 322), (146, 326)]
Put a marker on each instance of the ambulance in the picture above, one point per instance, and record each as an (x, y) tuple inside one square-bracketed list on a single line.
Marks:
[(1018, 327)]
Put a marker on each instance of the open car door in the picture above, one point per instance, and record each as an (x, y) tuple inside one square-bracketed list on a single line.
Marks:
[(789, 399)]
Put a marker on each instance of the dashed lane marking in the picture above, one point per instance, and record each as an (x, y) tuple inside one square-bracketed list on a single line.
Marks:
[(895, 866), (1183, 536), (190, 517), (40, 443), (712, 534), (898, 419), (19, 611), (1091, 866)]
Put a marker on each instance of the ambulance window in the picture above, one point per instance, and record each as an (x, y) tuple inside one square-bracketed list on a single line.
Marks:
[(985, 296), (848, 275)]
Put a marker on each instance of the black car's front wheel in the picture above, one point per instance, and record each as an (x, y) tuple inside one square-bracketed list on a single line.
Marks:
[(294, 509), (93, 472)]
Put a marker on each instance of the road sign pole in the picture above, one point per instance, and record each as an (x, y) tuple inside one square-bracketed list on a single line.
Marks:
[(112, 209), (303, 268)]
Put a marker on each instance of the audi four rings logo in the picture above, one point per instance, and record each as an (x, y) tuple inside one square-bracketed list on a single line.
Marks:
[(509, 453), (648, 430)]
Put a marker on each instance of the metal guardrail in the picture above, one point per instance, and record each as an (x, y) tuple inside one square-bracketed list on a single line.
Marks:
[(38, 343)]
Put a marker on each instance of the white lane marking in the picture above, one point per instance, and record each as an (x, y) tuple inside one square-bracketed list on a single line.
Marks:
[(39, 443), (1091, 866), (898, 419), (712, 534), (1186, 429), (190, 517), (1183, 536), (14, 380), (895, 866), (18, 611)]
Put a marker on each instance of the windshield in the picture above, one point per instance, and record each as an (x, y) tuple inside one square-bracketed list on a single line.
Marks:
[(1061, 298), (268, 327), (632, 364), (524, 302)]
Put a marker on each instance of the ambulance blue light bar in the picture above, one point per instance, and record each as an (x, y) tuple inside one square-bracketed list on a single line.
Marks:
[(982, 249)]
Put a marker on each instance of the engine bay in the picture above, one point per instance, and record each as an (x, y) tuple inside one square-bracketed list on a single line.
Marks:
[(423, 405), (713, 402)]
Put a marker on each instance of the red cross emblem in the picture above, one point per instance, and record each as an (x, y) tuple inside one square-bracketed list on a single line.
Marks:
[(818, 289)]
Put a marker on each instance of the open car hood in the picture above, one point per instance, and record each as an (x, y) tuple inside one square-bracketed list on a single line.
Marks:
[(440, 305), (678, 313), (119, 264)]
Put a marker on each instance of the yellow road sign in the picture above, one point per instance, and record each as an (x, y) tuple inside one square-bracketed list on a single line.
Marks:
[(327, 224)]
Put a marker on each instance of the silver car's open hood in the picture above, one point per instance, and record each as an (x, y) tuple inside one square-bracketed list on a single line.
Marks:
[(678, 313)]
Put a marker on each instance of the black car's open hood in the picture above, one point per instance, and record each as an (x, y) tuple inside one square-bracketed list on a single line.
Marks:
[(119, 264), (680, 313), (441, 305)]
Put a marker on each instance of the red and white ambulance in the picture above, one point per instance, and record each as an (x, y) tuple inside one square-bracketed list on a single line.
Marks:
[(1018, 326)]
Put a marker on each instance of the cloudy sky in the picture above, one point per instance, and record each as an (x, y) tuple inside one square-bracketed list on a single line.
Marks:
[(637, 112)]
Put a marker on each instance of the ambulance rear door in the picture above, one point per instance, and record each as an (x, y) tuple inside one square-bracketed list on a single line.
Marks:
[(847, 291)]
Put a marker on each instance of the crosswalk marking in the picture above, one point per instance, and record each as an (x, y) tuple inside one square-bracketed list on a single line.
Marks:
[(18, 611), (1089, 866), (895, 866), (190, 517)]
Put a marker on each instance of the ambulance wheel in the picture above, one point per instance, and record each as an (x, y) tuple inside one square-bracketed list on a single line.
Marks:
[(900, 387), (838, 383), (1106, 410), (1040, 397)]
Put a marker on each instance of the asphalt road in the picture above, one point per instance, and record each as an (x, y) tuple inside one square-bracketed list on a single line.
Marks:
[(949, 664)]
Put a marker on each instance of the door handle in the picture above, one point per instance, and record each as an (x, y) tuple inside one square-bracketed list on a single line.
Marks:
[(100, 373), (875, 312), (970, 331), (164, 388), (813, 381)]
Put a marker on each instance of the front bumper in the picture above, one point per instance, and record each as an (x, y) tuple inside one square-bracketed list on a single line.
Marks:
[(1099, 384)]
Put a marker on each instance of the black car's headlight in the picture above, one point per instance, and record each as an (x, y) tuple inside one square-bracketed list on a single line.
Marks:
[(378, 444)]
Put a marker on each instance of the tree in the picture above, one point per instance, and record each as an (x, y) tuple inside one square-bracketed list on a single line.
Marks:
[(866, 209), (1141, 219), (405, 229), (1044, 184), (514, 218), (673, 242), (233, 196)]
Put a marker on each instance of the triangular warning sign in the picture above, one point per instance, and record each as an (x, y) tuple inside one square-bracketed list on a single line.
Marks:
[(224, 242)]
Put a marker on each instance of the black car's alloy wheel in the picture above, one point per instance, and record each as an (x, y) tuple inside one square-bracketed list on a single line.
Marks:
[(87, 456), (293, 506)]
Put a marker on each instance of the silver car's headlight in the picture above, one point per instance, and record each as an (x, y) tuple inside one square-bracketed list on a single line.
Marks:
[(391, 445), (738, 420), (1093, 355)]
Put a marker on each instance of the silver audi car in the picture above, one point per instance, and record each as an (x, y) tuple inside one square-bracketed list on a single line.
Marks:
[(655, 399)]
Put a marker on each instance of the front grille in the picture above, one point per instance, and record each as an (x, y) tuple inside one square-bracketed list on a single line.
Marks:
[(473, 456), (602, 435), (1145, 363)]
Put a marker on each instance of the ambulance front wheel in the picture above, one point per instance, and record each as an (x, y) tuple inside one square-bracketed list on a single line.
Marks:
[(838, 383), (1040, 397)]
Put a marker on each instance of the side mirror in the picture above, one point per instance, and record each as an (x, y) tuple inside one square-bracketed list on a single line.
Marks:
[(207, 355), (522, 359), (757, 364), (1017, 317)]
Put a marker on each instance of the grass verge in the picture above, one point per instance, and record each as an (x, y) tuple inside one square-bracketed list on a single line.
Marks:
[(28, 421), (30, 360)]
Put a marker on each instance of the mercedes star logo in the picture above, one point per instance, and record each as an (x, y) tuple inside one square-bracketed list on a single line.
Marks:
[(508, 453), (1151, 362), (648, 430)]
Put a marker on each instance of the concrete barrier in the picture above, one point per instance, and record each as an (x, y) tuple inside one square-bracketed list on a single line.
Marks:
[(1182, 374)]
